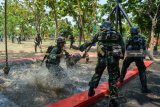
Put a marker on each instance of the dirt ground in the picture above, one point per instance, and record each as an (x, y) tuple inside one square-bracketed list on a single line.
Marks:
[(26, 49), (132, 97), (131, 93)]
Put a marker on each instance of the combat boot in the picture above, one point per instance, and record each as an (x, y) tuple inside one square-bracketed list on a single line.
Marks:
[(91, 92), (145, 90), (121, 80), (113, 103)]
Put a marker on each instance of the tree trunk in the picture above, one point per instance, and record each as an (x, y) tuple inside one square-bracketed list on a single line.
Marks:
[(55, 19), (152, 35), (80, 35), (155, 48)]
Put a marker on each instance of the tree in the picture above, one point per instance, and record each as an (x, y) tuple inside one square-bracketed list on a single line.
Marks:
[(147, 13), (37, 9), (81, 11), (53, 4)]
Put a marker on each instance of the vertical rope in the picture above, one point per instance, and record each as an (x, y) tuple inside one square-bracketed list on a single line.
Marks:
[(6, 32), (6, 68)]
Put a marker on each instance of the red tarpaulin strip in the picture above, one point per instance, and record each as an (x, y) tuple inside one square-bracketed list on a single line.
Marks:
[(82, 99)]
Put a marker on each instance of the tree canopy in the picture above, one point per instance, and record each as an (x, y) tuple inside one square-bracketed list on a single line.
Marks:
[(48, 17)]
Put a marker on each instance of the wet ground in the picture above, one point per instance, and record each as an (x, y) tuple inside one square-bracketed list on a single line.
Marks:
[(131, 93), (32, 85)]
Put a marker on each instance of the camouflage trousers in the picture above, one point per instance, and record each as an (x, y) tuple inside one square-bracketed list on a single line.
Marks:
[(37, 45), (112, 64), (71, 43), (56, 70), (141, 68)]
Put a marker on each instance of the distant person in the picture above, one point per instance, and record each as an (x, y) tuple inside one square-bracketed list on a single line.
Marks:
[(12, 37), (1, 38), (72, 40), (19, 39), (38, 42)]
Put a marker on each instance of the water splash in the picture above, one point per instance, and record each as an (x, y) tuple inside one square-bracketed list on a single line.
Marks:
[(31, 82)]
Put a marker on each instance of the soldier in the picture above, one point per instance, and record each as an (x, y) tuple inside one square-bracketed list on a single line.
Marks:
[(72, 40), (38, 42), (54, 53), (49, 49), (1, 38), (12, 37), (110, 49), (136, 47), (19, 39)]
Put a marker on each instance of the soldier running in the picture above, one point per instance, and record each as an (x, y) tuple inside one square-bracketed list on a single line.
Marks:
[(38, 42)]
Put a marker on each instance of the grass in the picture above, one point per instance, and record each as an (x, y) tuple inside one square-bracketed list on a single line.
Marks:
[(26, 49)]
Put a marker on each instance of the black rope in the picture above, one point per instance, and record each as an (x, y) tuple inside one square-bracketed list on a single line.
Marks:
[(6, 68)]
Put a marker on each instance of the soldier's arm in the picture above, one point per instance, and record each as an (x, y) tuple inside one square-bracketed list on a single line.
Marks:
[(145, 45), (89, 43), (46, 54), (144, 42)]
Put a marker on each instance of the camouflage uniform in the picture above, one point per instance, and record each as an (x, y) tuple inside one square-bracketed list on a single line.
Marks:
[(55, 53), (71, 40), (38, 41), (71, 60), (136, 50), (110, 48)]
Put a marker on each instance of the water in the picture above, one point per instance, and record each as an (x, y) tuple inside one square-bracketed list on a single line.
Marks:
[(32, 85)]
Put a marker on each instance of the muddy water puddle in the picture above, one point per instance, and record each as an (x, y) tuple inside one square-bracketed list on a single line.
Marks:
[(31, 85)]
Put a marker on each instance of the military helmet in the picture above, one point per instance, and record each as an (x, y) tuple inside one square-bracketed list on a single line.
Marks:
[(106, 25), (134, 30), (61, 39)]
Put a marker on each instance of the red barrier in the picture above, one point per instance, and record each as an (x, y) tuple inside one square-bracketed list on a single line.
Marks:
[(82, 99), (23, 59)]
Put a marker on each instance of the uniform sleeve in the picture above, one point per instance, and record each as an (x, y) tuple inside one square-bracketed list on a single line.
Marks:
[(89, 43), (144, 42), (93, 40)]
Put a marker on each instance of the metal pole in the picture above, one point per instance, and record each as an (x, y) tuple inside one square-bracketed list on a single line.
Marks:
[(125, 15), (114, 9), (6, 68), (117, 17), (120, 20)]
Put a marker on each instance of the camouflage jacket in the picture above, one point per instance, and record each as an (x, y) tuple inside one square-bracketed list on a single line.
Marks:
[(53, 56), (136, 42), (106, 41)]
